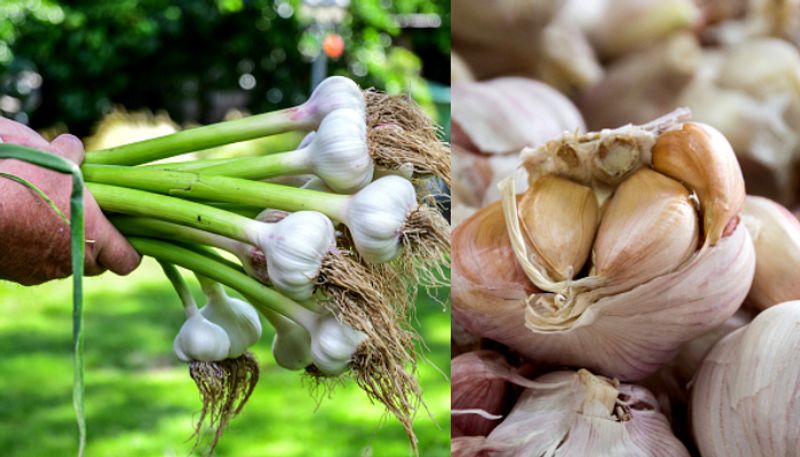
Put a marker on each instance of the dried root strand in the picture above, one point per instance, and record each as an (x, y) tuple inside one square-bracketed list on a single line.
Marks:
[(400, 133), (426, 249), (224, 387), (385, 364)]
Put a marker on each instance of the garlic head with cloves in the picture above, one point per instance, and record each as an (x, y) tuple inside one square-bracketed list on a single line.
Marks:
[(656, 205)]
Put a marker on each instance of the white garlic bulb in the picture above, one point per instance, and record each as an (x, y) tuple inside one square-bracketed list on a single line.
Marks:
[(376, 215), (576, 413), (295, 248), (333, 345), (744, 398), (333, 93), (291, 346), (201, 339), (338, 153), (239, 320)]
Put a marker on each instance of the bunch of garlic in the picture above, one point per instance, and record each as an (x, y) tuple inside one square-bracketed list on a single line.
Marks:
[(744, 398), (776, 237), (625, 245), (492, 121), (577, 413)]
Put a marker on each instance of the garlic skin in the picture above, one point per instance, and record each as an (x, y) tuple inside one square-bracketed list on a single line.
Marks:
[(333, 93), (529, 112), (482, 387), (459, 70), (776, 236), (338, 153), (744, 398), (376, 215), (333, 345), (295, 248), (239, 320), (569, 414), (202, 340)]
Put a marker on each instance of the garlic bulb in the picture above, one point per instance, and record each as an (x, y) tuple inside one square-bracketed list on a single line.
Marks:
[(333, 93), (376, 215), (530, 113), (333, 345), (776, 236), (295, 248), (239, 320), (744, 398), (200, 339), (459, 70), (577, 413), (482, 391), (655, 279), (338, 154), (642, 85), (291, 346)]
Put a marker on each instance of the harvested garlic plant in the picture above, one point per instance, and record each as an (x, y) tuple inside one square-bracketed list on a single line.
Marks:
[(776, 237), (669, 259), (571, 413), (492, 122), (744, 398)]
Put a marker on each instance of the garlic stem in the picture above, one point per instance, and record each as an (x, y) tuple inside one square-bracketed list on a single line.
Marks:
[(180, 286), (333, 93)]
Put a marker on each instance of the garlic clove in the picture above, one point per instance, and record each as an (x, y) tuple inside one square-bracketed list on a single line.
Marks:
[(648, 229), (571, 413), (744, 398), (202, 340), (699, 156), (776, 237), (459, 70), (333, 93), (564, 238)]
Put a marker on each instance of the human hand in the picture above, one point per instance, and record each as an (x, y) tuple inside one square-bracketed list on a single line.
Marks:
[(34, 240)]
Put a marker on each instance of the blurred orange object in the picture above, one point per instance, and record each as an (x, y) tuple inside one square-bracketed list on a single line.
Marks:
[(333, 45)]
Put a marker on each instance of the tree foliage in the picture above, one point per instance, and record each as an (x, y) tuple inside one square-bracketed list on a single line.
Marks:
[(189, 56)]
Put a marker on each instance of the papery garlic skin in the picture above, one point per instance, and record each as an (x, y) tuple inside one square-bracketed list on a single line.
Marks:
[(570, 414), (202, 340), (333, 346), (237, 317), (744, 398), (376, 216), (459, 70), (333, 93), (339, 153), (776, 236), (295, 248)]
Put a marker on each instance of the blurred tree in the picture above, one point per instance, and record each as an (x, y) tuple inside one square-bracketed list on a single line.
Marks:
[(197, 58)]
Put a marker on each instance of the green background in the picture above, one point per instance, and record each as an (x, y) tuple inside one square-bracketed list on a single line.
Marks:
[(140, 400)]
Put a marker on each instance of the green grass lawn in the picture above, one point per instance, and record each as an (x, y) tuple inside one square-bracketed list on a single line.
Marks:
[(140, 400)]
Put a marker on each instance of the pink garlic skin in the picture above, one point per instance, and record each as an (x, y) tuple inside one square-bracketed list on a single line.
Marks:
[(478, 381), (492, 122)]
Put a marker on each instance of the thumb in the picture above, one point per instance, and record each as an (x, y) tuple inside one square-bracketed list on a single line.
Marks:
[(69, 147), (115, 253)]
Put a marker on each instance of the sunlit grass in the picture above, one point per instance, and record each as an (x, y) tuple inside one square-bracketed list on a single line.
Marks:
[(141, 402)]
